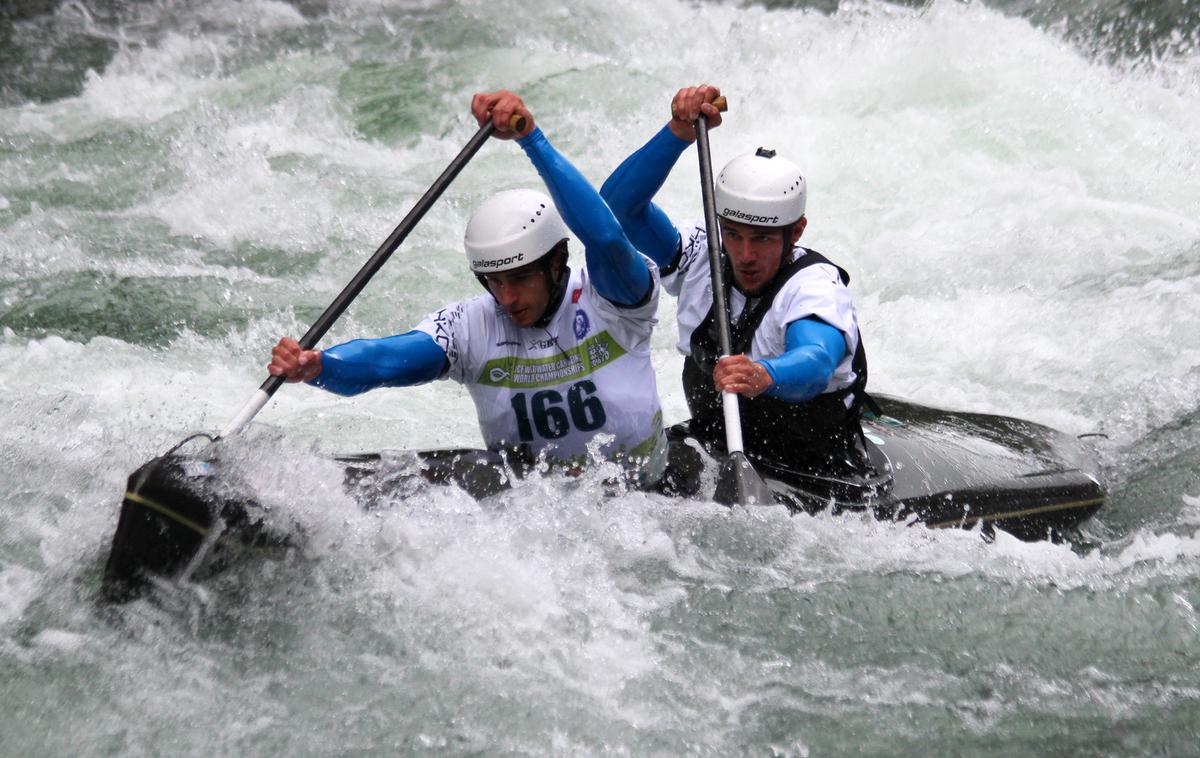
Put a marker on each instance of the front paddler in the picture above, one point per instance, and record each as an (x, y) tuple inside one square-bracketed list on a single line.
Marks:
[(552, 357)]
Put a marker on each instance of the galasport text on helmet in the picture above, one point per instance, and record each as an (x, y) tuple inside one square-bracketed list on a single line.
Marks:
[(761, 189)]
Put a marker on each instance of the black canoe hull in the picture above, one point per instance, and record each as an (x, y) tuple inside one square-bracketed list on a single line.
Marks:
[(953, 469), (935, 467)]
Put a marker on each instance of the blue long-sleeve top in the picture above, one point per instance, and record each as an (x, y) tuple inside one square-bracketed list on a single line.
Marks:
[(630, 189), (813, 351), (813, 348), (401, 360), (618, 272)]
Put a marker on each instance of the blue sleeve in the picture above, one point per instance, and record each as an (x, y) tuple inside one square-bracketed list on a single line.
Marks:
[(400, 361), (629, 191), (814, 349), (618, 272)]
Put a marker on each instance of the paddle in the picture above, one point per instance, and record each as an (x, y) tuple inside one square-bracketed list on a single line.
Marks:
[(369, 269), (168, 522), (738, 482)]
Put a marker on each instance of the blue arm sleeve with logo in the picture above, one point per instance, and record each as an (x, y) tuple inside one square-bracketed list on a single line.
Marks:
[(814, 349), (629, 191), (399, 361), (618, 272)]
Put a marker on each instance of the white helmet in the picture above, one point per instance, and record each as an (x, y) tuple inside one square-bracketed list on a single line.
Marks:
[(512, 228), (761, 189)]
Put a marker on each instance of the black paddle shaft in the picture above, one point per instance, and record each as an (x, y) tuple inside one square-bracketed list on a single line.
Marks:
[(389, 246), (516, 122), (737, 482), (720, 304)]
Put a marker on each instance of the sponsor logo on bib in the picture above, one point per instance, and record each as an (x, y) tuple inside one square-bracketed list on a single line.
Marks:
[(572, 364), (582, 324)]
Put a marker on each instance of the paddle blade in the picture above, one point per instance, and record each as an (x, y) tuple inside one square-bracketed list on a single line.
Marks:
[(739, 484), (163, 522)]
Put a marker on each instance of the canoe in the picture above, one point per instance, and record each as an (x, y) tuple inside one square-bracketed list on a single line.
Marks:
[(185, 514)]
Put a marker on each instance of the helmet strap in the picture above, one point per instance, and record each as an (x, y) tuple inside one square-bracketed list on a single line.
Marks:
[(788, 245), (557, 289)]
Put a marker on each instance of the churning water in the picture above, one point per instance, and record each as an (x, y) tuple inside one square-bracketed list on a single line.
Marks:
[(1012, 186)]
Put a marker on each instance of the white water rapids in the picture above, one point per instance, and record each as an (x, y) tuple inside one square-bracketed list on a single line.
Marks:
[(1022, 223)]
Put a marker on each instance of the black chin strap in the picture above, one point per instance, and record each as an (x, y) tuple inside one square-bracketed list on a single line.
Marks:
[(788, 245), (558, 290)]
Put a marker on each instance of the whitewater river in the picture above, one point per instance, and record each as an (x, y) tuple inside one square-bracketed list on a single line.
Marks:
[(1012, 186)]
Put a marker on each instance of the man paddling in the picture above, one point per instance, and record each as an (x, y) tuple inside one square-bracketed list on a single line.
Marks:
[(552, 357), (798, 360)]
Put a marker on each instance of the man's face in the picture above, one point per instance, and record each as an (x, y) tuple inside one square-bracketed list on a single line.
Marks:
[(522, 292), (756, 252)]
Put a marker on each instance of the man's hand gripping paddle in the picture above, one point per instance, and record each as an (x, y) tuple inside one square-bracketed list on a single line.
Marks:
[(738, 482)]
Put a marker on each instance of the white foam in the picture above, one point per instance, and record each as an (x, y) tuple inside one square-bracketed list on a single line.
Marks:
[(1191, 513), (60, 640), (252, 17), (19, 586), (152, 83), (1162, 549)]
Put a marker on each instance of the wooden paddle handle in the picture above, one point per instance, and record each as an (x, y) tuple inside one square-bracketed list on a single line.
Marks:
[(516, 122), (721, 104)]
